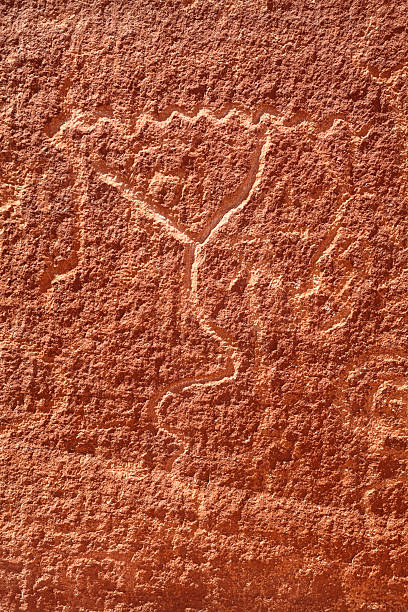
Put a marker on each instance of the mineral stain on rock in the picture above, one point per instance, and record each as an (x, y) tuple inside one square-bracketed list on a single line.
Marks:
[(204, 293)]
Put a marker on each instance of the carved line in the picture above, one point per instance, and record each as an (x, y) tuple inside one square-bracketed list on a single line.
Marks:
[(193, 259), (60, 269)]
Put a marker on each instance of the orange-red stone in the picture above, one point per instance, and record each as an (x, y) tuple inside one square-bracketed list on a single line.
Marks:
[(204, 289)]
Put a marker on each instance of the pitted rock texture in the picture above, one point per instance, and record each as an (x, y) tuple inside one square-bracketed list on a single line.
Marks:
[(204, 286)]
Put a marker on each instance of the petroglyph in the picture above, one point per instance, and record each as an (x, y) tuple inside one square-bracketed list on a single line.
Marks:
[(168, 185)]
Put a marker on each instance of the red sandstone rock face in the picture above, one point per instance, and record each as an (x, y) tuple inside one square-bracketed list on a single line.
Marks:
[(204, 289)]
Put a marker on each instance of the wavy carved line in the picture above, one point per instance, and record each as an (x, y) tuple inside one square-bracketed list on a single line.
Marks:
[(263, 113)]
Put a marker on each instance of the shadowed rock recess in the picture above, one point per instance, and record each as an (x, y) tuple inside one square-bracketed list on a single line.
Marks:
[(204, 292)]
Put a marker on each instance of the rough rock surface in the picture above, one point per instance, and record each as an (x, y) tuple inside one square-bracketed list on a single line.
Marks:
[(204, 299)]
